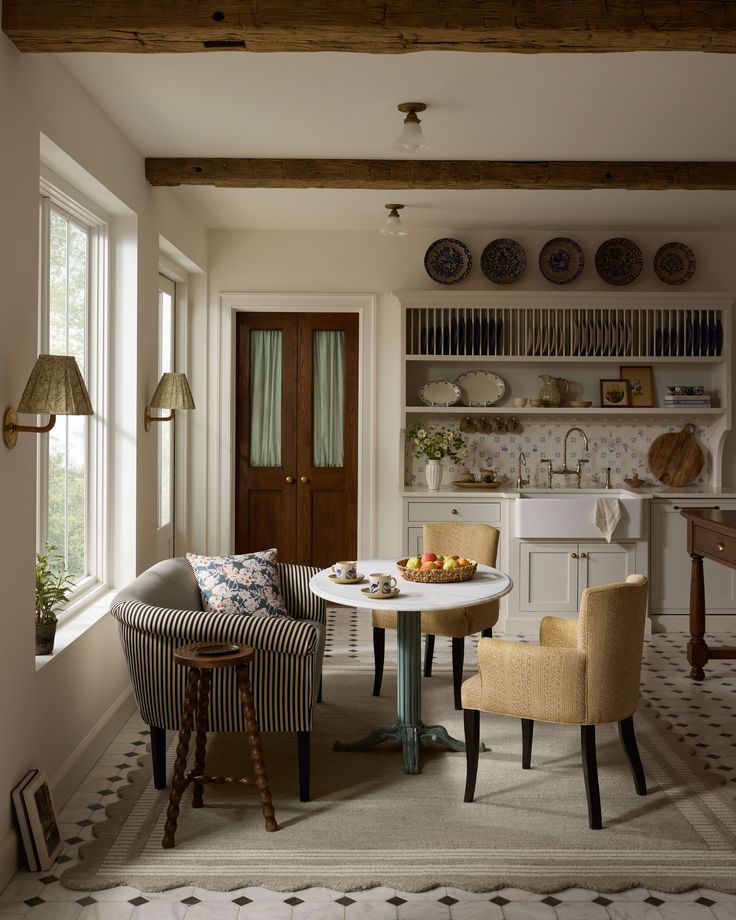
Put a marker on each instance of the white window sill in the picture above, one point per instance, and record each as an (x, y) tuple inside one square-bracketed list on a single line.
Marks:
[(86, 613)]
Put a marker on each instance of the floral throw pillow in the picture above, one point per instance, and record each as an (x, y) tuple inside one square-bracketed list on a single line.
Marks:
[(246, 584)]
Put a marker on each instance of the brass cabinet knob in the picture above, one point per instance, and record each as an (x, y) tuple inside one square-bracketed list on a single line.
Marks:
[(573, 555), (290, 479), (721, 546), (583, 555), (454, 511), (303, 479)]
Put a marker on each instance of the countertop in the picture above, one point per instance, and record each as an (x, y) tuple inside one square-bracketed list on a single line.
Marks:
[(507, 491)]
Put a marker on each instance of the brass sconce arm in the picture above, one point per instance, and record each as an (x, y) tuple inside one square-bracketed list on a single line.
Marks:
[(11, 427), (148, 418)]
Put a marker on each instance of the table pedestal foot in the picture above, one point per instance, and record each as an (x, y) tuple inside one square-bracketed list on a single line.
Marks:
[(438, 734), (376, 736)]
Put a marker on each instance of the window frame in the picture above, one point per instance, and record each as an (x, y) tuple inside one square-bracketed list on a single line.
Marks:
[(74, 206)]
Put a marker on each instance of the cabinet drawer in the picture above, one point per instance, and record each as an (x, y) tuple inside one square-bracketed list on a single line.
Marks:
[(716, 545), (468, 512)]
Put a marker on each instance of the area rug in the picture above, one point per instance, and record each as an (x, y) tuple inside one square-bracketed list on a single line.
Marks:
[(370, 824)]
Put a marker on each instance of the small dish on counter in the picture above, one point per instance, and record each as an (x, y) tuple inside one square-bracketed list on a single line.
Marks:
[(462, 484), (633, 482)]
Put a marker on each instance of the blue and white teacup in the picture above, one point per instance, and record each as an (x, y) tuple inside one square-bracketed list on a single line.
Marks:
[(381, 583), (345, 571)]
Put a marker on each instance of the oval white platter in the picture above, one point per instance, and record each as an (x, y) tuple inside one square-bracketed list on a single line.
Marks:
[(480, 388), (440, 393)]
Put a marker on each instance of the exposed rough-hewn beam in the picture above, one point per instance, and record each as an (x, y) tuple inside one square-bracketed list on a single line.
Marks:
[(371, 26), (430, 174)]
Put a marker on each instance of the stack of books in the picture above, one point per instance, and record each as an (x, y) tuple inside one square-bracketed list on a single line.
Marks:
[(681, 397)]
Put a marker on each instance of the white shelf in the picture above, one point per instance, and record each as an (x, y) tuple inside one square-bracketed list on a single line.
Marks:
[(563, 410), (568, 359)]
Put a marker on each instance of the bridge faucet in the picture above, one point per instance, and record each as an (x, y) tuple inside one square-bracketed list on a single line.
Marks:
[(564, 470), (520, 481)]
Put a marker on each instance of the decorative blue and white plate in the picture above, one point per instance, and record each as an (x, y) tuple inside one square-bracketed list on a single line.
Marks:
[(448, 261), (674, 263), (619, 261), (561, 260), (503, 261)]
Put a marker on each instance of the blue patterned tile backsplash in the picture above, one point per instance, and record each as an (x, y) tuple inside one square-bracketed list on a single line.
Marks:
[(622, 447)]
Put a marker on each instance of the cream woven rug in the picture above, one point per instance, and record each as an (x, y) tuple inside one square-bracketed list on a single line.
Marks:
[(369, 824)]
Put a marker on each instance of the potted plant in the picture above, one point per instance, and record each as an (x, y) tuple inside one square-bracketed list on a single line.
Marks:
[(53, 586), (434, 445)]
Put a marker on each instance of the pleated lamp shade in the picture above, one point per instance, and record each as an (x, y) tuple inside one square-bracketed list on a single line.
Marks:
[(172, 392), (55, 387)]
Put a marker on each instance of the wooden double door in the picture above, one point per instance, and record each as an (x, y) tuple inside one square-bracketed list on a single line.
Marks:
[(297, 435)]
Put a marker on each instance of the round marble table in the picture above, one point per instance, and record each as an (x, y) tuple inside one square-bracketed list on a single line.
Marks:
[(409, 730)]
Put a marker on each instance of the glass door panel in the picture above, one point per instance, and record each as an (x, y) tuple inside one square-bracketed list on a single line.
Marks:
[(265, 403), (328, 403)]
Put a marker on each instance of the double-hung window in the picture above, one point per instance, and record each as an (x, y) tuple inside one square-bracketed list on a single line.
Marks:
[(72, 456)]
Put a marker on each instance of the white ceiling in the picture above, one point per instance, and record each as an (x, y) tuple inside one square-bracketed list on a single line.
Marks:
[(643, 106)]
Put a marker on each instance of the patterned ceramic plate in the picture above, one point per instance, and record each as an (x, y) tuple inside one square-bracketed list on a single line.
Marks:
[(480, 388), (619, 261), (561, 260), (439, 393), (674, 263), (448, 261), (503, 261)]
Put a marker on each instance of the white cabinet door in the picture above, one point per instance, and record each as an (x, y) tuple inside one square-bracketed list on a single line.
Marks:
[(604, 564), (670, 590), (549, 577), (415, 541)]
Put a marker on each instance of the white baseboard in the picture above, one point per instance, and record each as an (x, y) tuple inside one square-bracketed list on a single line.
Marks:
[(70, 774)]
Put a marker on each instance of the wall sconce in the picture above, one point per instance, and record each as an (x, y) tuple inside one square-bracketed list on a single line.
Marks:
[(55, 387), (172, 393)]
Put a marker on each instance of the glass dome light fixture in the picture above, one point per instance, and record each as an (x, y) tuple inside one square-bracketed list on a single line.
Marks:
[(411, 137), (393, 227)]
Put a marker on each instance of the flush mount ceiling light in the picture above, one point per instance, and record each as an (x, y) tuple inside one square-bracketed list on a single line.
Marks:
[(411, 137), (393, 227)]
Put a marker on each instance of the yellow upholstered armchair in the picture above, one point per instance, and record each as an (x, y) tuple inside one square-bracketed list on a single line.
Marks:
[(474, 541), (583, 672)]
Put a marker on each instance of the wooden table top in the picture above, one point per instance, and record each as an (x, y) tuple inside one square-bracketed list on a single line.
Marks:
[(719, 521)]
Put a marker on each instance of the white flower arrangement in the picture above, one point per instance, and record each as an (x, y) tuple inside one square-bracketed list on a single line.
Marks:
[(437, 443)]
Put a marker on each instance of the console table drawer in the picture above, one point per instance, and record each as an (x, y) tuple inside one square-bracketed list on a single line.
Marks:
[(721, 547), (461, 512)]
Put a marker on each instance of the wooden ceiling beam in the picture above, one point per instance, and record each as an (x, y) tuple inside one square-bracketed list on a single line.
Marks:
[(371, 26), (438, 174)]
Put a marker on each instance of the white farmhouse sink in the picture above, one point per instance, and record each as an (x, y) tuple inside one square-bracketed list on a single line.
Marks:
[(564, 515)]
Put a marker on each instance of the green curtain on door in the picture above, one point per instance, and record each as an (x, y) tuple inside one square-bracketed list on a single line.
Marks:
[(265, 400), (328, 368)]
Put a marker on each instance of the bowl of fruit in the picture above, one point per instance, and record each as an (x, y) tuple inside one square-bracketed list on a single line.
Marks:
[(437, 569)]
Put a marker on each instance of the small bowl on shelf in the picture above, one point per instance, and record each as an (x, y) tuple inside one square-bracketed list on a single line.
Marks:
[(535, 402), (580, 403)]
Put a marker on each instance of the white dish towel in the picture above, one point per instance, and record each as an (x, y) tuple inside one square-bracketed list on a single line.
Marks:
[(607, 515)]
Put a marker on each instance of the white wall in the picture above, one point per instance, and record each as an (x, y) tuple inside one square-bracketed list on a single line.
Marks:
[(57, 718), (312, 262)]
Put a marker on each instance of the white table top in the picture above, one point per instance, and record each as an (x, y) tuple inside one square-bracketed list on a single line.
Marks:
[(487, 584)]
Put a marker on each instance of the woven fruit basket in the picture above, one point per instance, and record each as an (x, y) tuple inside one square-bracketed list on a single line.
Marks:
[(437, 576)]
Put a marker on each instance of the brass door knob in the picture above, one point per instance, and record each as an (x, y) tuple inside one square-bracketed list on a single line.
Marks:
[(721, 546), (303, 479), (583, 555), (573, 555), (290, 479)]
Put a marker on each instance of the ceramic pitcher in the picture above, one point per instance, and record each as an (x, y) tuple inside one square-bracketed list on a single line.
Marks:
[(554, 390)]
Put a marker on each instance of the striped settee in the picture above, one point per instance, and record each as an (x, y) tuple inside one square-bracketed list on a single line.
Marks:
[(162, 609)]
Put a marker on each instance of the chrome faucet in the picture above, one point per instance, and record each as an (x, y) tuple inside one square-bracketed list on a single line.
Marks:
[(520, 481), (564, 470)]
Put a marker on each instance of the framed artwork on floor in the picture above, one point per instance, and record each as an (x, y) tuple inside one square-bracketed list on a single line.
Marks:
[(614, 393), (39, 810), (640, 384), (23, 823)]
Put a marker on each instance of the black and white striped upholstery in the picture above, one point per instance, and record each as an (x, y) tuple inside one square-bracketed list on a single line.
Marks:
[(287, 664)]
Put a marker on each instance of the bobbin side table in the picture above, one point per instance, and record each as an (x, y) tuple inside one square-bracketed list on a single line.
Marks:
[(201, 658)]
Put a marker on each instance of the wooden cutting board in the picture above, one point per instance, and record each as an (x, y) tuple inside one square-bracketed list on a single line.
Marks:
[(676, 459)]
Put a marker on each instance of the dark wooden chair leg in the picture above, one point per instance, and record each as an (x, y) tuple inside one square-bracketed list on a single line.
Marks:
[(302, 740), (458, 659), (527, 734), (379, 652), (487, 633), (319, 692), (428, 654), (471, 720), (590, 772), (158, 755), (628, 739)]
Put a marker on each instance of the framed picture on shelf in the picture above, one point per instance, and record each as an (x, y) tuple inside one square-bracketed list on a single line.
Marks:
[(39, 811), (614, 393), (640, 384)]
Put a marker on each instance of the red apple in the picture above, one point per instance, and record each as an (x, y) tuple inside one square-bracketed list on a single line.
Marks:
[(429, 557), (429, 566)]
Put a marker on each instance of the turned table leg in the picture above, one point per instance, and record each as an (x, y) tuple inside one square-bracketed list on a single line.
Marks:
[(200, 749), (179, 783), (697, 650), (254, 738)]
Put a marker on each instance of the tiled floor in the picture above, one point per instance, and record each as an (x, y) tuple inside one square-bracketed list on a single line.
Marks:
[(705, 717)]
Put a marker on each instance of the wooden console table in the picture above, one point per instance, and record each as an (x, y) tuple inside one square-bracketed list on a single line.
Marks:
[(710, 535)]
